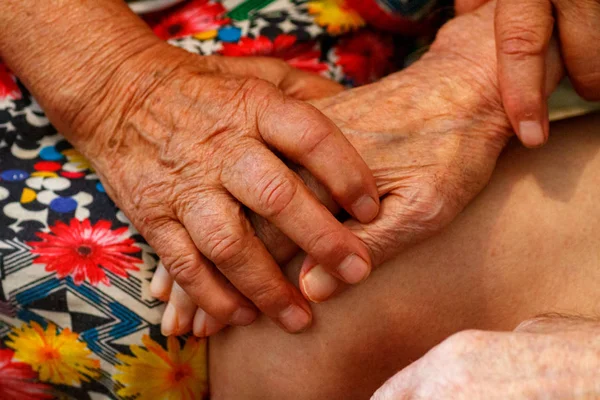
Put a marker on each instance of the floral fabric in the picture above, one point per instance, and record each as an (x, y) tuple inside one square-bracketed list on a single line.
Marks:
[(76, 317)]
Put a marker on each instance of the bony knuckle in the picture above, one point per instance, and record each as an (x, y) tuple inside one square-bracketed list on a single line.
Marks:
[(268, 293), (314, 130), (521, 41), (425, 207), (326, 242), (226, 247), (183, 268), (276, 193)]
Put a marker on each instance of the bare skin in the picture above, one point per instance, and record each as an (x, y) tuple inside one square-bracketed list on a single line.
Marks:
[(527, 245)]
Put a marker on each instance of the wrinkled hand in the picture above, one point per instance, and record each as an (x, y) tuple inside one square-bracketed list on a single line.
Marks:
[(431, 134), (523, 33), (182, 144), (546, 358), (524, 30)]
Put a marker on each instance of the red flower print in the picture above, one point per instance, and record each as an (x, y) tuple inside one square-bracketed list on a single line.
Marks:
[(197, 16), (81, 250), (18, 381), (299, 55), (8, 85), (365, 57)]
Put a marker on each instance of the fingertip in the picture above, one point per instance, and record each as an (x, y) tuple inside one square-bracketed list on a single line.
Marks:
[(318, 285), (365, 209), (169, 321), (294, 319), (531, 134), (161, 283), (354, 269), (205, 325)]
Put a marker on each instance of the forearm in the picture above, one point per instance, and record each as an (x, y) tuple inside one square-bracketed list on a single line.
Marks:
[(65, 51)]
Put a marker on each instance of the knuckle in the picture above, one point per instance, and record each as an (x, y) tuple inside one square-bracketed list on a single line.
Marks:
[(265, 294), (326, 242), (425, 208), (521, 40), (313, 128), (183, 268), (276, 193), (226, 247)]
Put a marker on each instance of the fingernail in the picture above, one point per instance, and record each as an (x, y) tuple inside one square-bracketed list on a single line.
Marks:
[(318, 284), (160, 283), (243, 316), (365, 209), (294, 319), (199, 326), (353, 269), (169, 320), (532, 133)]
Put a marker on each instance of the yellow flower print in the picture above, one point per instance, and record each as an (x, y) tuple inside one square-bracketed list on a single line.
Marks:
[(156, 373), (59, 357), (335, 15)]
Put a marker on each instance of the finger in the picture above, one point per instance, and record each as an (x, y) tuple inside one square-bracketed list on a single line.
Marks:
[(221, 231), (523, 30), (302, 85), (206, 286), (179, 313), (291, 81), (579, 31), (160, 286), (280, 246), (277, 194), (307, 137), (205, 325), (402, 221)]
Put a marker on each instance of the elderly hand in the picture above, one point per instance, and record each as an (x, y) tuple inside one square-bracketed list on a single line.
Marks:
[(183, 146), (545, 358), (191, 146), (524, 29), (431, 134)]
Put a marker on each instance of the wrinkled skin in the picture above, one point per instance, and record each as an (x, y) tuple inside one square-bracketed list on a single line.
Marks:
[(524, 29), (184, 156), (431, 135), (545, 358), (185, 145)]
